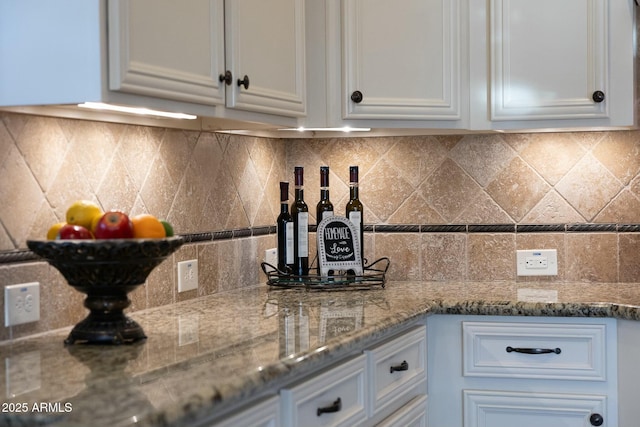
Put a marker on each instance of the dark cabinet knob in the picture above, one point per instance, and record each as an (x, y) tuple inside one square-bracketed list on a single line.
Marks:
[(596, 420), (244, 82), (356, 96), (227, 77), (598, 96)]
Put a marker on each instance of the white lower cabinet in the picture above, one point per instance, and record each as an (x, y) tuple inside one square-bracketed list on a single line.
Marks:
[(336, 397), (509, 409), (501, 371), (413, 414), (263, 414), (398, 371), (385, 386)]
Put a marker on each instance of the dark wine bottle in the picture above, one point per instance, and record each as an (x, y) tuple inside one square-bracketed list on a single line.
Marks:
[(354, 210), (284, 228), (324, 208), (300, 215)]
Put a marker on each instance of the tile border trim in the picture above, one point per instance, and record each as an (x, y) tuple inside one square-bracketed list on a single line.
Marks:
[(25, 255)]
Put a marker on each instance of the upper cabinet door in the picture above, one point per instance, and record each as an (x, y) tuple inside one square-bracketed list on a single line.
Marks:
[(265, 52), (550, 63), (401, 59), (167, 49), (548, 59)]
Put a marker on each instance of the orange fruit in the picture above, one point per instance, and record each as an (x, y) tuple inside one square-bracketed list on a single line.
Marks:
[(83, 213), (52, 234), (147, 226)]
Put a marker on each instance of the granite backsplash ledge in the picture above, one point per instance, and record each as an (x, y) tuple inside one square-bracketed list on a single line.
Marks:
[(426, 200)]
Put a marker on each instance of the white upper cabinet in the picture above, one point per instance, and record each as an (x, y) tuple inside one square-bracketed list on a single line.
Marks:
[(552, 64), (265, 52), (401, 59), (245, 54), (167, 49), (391, 63), (477, 64), (161, 54)]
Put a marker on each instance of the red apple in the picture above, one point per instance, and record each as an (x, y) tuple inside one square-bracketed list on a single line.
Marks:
[(69, 231), (114, 225)]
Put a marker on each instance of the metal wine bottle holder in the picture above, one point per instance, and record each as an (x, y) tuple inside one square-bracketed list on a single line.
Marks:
[(373, 276), (106, 270)]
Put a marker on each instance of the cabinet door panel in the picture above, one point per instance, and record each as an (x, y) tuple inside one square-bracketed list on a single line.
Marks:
[(548, 58), (404, 57), (265, 42), (508, 409), (171, 50)]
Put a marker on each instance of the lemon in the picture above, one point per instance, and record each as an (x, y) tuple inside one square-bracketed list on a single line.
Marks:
[(83, 213), (94, 222), (52, 234)]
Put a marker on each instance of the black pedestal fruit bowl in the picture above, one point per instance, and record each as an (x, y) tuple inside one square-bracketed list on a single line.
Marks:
[(106, 271)]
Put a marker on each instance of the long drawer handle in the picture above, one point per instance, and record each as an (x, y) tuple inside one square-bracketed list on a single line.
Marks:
[(335, 407), (404, 366), (534, 350)]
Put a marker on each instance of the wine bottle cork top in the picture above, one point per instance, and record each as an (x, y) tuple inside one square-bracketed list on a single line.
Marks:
[(353, 173), (284, 191)]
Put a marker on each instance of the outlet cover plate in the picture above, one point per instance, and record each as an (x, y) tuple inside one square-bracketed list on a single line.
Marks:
[(187, 275), (271, 256), (537, 262), (21, 303)]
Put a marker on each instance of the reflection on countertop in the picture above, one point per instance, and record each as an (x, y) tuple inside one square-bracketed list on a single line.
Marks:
[(209, 356)]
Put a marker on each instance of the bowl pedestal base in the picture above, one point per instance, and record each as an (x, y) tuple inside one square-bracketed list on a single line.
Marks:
[(106, 323)]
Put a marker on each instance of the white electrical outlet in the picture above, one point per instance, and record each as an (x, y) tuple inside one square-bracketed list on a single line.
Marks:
[(21, 303), (537, 262), (271, 256), (187, 275)]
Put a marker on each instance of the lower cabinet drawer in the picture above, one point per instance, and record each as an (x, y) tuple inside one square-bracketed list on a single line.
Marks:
[(535, 350), (509, 409), (413, 414), (395, 367), (334, 398)]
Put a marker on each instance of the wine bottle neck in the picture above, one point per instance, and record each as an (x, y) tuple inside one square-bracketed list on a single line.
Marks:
[(299, 193), (324, 194), (284, 206), (353, 191)]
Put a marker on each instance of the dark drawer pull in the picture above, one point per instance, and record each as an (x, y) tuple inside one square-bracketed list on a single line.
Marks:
[(404, 366), (335, 407), (534, 350)]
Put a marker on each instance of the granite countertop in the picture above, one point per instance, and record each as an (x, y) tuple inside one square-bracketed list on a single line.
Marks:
[(208, 356)]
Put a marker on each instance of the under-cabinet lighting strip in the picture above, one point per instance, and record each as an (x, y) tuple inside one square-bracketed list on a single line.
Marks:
[(136, 110), (341, 129)]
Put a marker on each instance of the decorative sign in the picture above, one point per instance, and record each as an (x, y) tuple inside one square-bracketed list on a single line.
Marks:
[(338, 247)]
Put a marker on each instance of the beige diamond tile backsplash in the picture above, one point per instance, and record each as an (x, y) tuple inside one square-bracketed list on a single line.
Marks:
[(206, 182)]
